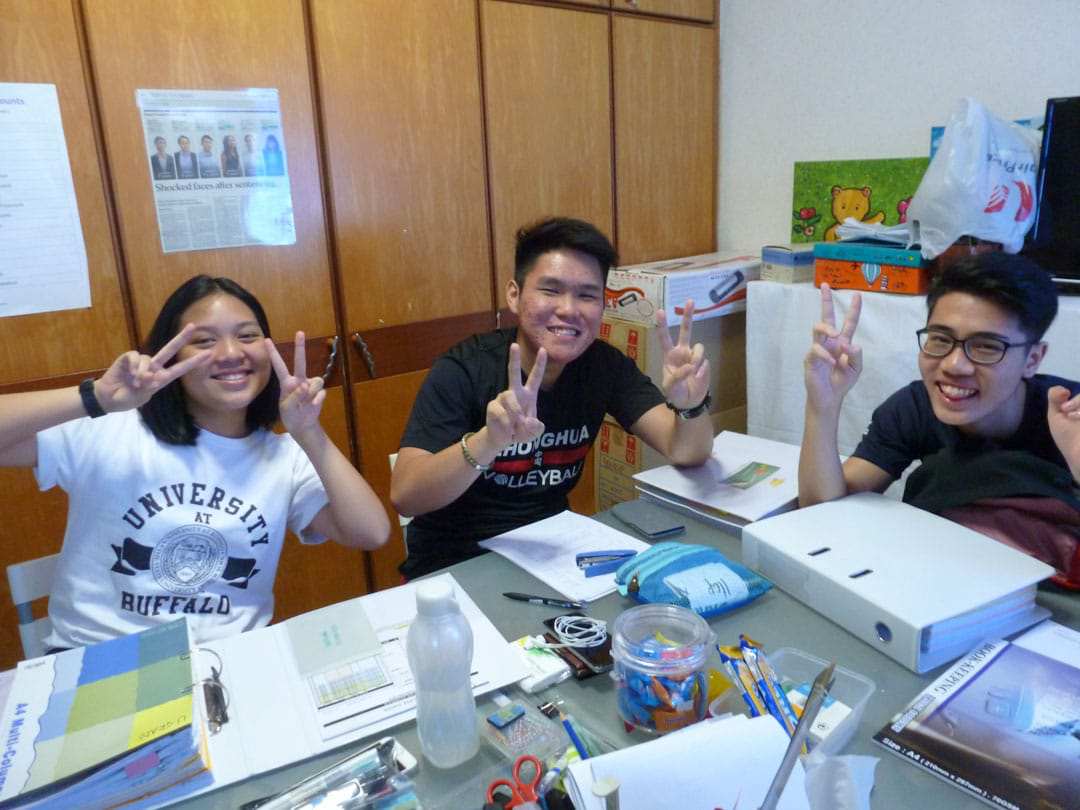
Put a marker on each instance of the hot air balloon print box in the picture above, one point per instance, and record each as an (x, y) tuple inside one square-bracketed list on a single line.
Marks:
[(870, 267), (915, 586)]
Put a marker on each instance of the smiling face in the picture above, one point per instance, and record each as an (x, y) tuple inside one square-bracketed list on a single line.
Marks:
[(219, 393), (559, 308), (978, 399)]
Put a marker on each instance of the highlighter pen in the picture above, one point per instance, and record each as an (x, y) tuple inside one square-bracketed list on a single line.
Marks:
[(544, 600)]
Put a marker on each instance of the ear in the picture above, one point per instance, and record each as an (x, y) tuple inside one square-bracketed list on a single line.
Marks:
[(836, 190), (1034, 359), (866, 191), (513, 295)]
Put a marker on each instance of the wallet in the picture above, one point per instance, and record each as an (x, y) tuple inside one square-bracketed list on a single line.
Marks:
[(651, 521)]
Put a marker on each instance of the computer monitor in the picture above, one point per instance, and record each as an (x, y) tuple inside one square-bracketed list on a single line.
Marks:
[(1054, 238)]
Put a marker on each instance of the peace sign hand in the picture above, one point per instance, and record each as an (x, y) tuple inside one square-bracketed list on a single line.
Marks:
[(1063, 415), (511, 416), (833, 363), (685, 379), (301, 396), (134, 378)]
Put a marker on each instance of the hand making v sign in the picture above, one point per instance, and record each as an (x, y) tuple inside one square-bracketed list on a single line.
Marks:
[(302, 397), (833, 363), (134, 378), (511, 416), (686, 369)]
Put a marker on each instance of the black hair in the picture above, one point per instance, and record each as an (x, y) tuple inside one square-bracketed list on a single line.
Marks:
[(561, 233), (166, 413), (1015, 283)]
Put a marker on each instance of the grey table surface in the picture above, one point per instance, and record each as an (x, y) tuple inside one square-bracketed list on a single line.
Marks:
[(775, 619)]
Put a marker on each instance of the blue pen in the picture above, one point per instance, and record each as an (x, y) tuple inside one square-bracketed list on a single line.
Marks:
[(574, 738)]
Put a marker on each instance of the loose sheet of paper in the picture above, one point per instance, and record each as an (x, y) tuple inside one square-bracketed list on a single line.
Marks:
[(41, 239), (727, 763), (548, 550)]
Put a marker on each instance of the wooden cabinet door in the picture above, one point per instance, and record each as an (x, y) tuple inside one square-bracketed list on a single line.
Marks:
[(40, 43), (704, 10), (548, 107), (665, 138), (224, 46), (399, 87)]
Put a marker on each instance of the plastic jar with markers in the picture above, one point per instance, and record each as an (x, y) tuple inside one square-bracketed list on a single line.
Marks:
[(659, 673)]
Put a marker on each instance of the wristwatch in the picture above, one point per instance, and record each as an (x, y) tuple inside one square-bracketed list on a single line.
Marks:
[(89, 399), (697, 410)]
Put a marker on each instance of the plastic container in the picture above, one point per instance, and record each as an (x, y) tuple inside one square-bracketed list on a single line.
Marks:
[(439, 647), (850, 688), (796, 667), (659, 673)]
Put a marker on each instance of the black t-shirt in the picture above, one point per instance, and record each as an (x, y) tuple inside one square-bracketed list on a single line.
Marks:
[(528, 481), (904, 429)]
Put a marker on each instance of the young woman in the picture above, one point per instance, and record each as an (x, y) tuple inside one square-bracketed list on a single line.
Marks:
[(179, 491)]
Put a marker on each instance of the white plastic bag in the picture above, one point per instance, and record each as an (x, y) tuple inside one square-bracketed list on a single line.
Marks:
[(981, 182)]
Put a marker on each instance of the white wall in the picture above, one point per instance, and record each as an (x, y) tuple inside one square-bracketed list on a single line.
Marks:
[(832, 80)]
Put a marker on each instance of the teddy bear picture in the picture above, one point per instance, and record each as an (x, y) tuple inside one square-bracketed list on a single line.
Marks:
[(872, 191)]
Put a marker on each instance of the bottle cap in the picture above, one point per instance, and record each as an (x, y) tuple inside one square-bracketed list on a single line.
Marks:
[(435, 597)]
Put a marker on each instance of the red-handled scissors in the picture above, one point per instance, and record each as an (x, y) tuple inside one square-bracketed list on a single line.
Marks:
[(522, 791)]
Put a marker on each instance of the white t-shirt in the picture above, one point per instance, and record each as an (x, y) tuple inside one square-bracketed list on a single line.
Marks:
[(158, 531)]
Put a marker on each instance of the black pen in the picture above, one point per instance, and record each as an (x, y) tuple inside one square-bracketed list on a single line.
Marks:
[(544, 600)]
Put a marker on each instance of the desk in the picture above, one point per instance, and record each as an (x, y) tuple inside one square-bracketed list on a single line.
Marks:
[(775, 619), (779, 318)]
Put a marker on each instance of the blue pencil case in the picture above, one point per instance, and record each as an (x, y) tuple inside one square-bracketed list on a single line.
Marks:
[(696, 577)]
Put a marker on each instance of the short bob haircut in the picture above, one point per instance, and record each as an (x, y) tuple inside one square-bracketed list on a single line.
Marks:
[(561, 233), (1015, 283), (166, 413)]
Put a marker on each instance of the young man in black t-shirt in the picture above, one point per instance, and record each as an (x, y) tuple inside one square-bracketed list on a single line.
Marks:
[(486, 451), (985, 425)]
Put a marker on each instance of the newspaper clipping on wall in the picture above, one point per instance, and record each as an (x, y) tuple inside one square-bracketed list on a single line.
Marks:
[(44, 267), (217, 165)]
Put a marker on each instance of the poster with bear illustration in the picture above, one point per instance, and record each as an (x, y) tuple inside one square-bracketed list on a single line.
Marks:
[(826, 192)]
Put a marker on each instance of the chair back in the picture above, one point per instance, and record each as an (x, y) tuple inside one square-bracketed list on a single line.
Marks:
[(32, 580)]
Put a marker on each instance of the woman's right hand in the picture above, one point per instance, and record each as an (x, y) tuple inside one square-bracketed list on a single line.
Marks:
[(134, 378), (833, 363)]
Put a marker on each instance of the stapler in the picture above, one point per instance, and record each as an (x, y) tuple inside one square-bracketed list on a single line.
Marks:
[(595, 563)]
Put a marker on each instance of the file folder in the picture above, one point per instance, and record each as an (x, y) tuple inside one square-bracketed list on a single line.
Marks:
[(915, 586)]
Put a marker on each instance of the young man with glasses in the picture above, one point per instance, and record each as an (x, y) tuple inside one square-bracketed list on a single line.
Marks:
[(999, 443)]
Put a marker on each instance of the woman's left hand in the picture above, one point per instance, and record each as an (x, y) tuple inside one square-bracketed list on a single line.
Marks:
[(301, 396)]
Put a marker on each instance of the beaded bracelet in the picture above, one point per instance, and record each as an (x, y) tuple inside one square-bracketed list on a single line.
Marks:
[(470, 459)]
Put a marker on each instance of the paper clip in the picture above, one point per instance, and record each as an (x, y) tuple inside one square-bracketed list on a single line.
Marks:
[(215, 695), (595, 563)]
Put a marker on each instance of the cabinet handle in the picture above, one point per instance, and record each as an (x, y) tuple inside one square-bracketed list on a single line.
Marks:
[(333, 358), (365, 352)]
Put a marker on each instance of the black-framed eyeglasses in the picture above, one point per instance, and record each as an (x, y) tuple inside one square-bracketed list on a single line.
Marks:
[(983, 350)]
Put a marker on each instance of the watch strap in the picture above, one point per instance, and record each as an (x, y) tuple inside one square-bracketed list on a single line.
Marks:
[(89, 399), (696, 411)]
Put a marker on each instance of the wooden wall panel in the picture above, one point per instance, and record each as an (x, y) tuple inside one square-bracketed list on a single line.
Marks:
[(39, 43), (704, 10), (400, 89), (548, 92), (311, 577), (665, 138), (382, 409), (192, 44)]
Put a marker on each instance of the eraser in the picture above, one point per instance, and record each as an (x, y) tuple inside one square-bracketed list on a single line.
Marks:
[(506, 715)]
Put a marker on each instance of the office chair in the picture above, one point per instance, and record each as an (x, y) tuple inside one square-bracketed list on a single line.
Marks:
[(32, 580)]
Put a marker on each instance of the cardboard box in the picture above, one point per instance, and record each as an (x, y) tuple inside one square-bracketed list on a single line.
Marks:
[(724, 340), (620, 455), (716, 282)]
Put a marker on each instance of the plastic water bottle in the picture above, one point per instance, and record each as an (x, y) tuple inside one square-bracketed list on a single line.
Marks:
[(440, 646)]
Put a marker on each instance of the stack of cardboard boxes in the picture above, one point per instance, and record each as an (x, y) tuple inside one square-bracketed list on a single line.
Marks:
[(716, 282)]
